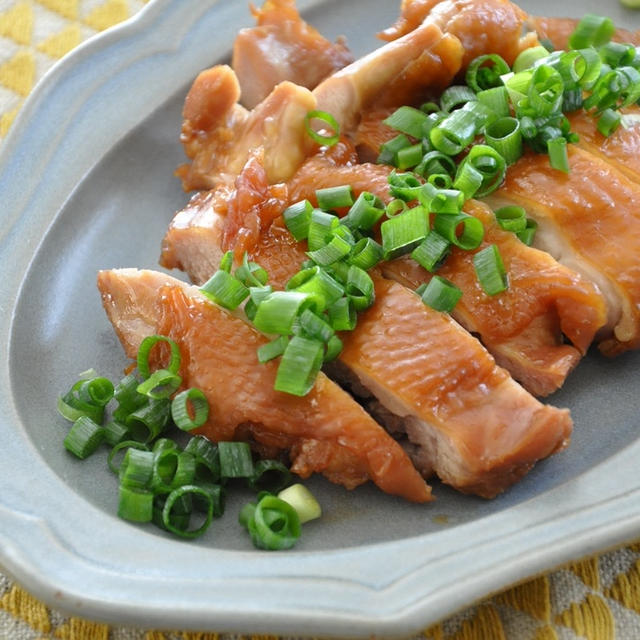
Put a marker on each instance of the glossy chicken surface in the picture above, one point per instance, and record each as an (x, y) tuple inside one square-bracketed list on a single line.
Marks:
[(589, 220), (325, 431), (404, 340), (282, 46)]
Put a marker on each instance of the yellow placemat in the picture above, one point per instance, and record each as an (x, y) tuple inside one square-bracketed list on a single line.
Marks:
[(597, 599)]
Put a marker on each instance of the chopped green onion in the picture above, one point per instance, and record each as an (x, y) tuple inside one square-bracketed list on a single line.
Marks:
[(440, 294), (440, 180), (484, 72), (303, 501), (205, 454), (511, 218), (366, 253), (160, 384), (327, 118), (171, 469), (71, 408), (545, 90), (395, 207), (342, 315), (529, 232), (436, 162), (389, 149), (135, 505), (409, 156), (174, 497), (144, 351), (608, 122), (318, 283), (496, 99), (84, 437), (272, 349), (461, 229), (235, 459), (491, 165), (454, 133), (162, 444), (147, 423), (251, 274), (115, 432), (456, 96), (124, 444), (558, 155), (226, 263), (275, 524), (403, 233), (313, 326), (333, 348), (431, 251), (269, 475), (277, 313), (136, 469), (321, 228), (592, 30), (126, 393), (527, 58), (365, 212), (504, 136), (335, 197), (468, 180), (297, 218), (299, 366), (225, 290), (490, 270), (359, 289), (407, 120), (97, 391), (180, 409), (217, 494), (336, 249)]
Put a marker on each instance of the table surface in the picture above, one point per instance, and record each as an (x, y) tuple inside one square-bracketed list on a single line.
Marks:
[(597, 598)]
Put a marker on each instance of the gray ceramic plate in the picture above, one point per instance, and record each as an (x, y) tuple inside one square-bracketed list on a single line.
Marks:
[(86, 183)]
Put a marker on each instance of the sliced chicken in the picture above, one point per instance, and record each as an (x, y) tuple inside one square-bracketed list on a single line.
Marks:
[(481, 26), (620, 149), (218, 134), (325, 431), (524, 327), (479, 438), (588, 220), (283, 47)]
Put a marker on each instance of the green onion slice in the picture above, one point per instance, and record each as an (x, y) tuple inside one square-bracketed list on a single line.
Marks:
[(342, 315), (299, 366), (269, 475), (461, 229), (403, 233), (160, 384), (558, 155), (366, 254), (135, 505), (187, 403), (205, 454), (84, 437), (490, 270), (360, 289), (175, 496), (484, 72), (124, 444), (272, 349), (456, 96), (275, 524), (432, 251), (115, 432), (335, 197), (297, 218), (277, 313), (440, 294), (136, 469), (225, 290), (326, 118), (149, 421), (318, 283), (365, 212), (511, 218), (592, 30), (389, 149), (407, 120), (235, 460), (505, 137), (144, 351)]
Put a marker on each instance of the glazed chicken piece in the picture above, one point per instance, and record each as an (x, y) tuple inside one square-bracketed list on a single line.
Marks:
[(588, 220), (558, 30), (218, 134), (481, 26), (325, 431), (523, 328), (620, 149), (468, 420), (283, 47)]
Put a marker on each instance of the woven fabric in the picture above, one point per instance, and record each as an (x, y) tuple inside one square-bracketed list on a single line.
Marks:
[(597, 599)]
